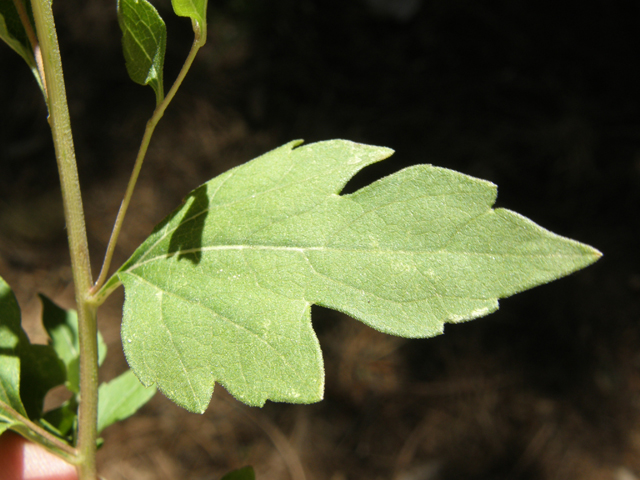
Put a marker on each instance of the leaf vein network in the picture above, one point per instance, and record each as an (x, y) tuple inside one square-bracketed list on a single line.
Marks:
[(223, 317)]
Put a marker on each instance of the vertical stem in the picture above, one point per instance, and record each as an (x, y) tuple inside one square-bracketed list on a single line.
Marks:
[(76, 232)]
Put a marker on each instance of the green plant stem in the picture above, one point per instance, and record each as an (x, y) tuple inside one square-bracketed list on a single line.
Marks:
[(76, 231), (39, 435), (144, 145)]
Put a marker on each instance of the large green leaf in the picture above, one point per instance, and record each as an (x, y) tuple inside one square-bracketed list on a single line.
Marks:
[(222, 290), (27, 372), (144, 40)]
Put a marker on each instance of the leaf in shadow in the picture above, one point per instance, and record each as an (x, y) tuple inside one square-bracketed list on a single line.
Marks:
[(27, 372), (186, 240)]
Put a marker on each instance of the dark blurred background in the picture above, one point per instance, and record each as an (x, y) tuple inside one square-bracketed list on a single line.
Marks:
[(541, 98)]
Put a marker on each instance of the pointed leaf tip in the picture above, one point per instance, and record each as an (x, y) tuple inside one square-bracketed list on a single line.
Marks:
[(222, 289)]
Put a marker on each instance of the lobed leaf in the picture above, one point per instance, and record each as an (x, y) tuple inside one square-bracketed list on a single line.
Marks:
[(120, 398), (144, 39), (222, 289)]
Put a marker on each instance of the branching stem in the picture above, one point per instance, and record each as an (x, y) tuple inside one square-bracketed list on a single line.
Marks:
[(144, 145)]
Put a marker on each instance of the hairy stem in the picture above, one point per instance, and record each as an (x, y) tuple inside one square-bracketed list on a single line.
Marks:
[(144, 145), (76, 231)]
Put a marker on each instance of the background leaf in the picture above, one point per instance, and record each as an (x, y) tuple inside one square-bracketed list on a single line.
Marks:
[(62, 420), (13, 33), (244, 473), (222, 290), (197, 11), (120, 398), (41, 370), (27, 372), (144, 39), (62, 327), (10, 337)]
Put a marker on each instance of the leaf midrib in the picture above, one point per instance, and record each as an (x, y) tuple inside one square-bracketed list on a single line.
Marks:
[(304, 250)]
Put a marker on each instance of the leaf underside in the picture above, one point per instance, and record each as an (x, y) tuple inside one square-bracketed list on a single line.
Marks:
[(222, 289)]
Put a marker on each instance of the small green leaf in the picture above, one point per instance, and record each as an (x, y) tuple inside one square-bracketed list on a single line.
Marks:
[(222, 289), (144, 39), (196, 10), (62, 327), (244, 473), (13, 33), (120, 398), (27, 372)]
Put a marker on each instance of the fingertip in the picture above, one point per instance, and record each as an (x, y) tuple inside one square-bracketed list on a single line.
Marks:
[(25, 460)]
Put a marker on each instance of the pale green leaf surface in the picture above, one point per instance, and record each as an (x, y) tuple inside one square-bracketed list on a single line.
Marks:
[(62, 327), (120, 398), (196, 10), (144, 39), (222, 290)]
